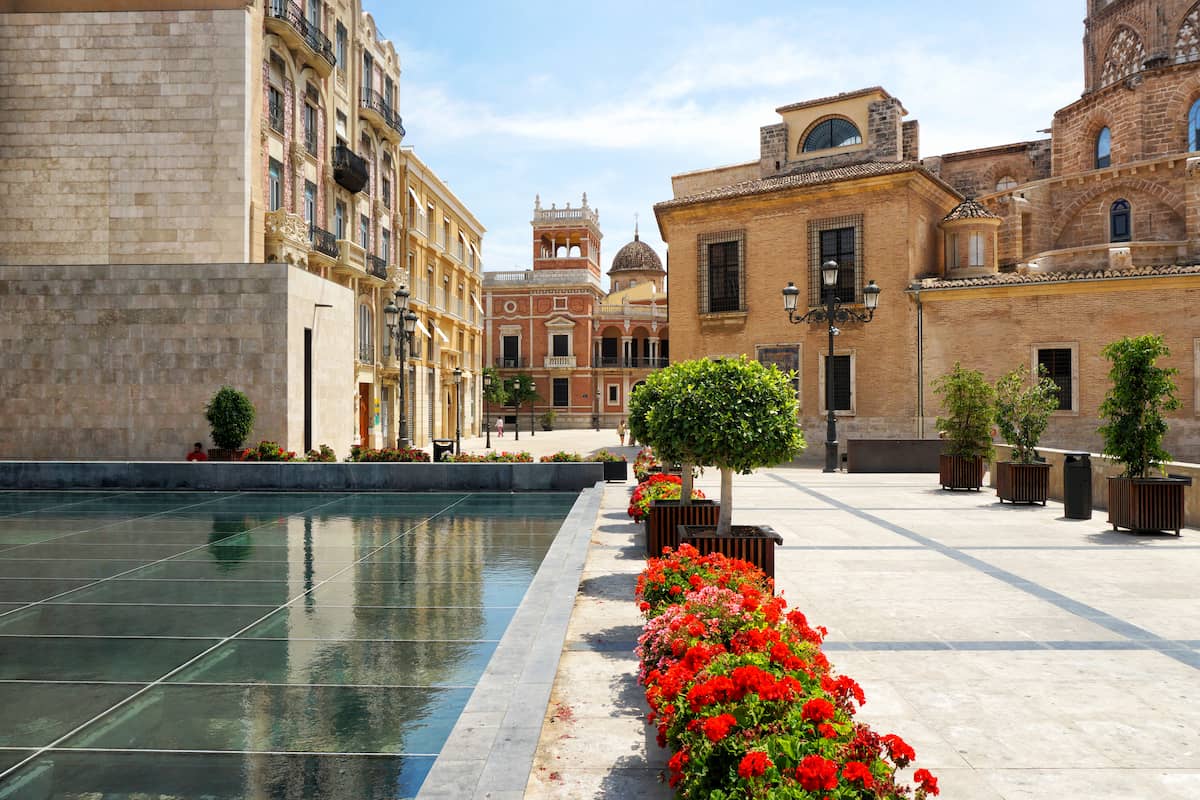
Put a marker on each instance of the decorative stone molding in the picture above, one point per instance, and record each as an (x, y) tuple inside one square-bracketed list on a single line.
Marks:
[(286, 238)]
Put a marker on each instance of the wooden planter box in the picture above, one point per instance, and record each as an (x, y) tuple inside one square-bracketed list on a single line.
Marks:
[(667, 515), (616, 470), (1146, 504), (956, 472), (223, 454), (753, 543), (1022, 483)]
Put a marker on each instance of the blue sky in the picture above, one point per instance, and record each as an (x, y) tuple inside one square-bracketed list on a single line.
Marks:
[(505, 101)]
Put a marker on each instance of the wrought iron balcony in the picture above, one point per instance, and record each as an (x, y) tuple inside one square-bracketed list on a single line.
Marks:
[(349, 169), (512, 363), (381, 112), (377, 266), (631, 362), (323, 241), (287, 19)]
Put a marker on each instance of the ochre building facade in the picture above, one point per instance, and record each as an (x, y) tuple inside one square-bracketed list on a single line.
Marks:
[(1034, 253)]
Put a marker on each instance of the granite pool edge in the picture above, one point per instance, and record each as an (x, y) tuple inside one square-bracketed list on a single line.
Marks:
[(491, 749)]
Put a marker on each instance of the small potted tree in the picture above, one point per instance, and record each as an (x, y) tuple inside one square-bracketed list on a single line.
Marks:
[(231, 417), (658, 416), (547, 419), (1133, 435), (736, 415), (969, 402), (1023, 411)]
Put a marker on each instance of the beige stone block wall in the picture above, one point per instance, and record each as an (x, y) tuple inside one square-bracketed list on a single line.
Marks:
[(123, 137), (118, 361), (308, 296)]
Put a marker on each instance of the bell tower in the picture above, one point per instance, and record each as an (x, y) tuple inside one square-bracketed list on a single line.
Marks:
[(566, 238), (1122, 38)]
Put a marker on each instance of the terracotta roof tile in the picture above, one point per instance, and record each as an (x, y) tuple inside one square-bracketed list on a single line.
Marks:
[(1019, 279), (969, 209)]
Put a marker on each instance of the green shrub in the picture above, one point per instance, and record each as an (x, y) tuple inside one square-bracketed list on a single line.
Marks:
[(970, 405), (1135, 403), (1023, 410), (231, 416)]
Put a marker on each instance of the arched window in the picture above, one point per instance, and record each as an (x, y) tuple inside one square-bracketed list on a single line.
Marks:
[(1118, 222), (1007, 182), (833, 132), (1104, 148), (1194, 127)]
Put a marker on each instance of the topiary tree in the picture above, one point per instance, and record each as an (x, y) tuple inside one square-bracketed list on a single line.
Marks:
[(1023, 410), (231, 417), (732, 414), (1135, 403), (970, 405), (661, 392)]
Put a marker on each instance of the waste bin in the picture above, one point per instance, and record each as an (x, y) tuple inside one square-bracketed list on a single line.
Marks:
[(1077, 486), (441, 447)]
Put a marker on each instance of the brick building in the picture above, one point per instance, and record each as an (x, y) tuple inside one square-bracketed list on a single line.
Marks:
[(585, 348), (219, 135), (1031, 253)]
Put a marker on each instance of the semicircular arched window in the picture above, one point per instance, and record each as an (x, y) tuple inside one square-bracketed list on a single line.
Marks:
[(1118, 222), (831, 133), (1194, 127), (1104, 148)]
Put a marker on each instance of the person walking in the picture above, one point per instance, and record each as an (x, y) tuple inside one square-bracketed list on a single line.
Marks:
[(499, 427), (621, 432)]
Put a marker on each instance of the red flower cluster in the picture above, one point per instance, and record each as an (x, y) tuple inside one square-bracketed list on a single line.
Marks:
[(658, 486), (743, 695)]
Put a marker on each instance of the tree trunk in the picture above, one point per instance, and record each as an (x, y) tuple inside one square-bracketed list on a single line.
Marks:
[(725, 522), (685, 478)]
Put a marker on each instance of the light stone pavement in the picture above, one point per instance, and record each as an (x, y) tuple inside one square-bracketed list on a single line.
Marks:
[(1024, 656)]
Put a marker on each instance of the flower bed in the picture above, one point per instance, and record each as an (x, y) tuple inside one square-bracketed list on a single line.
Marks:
[(325, 454), (388, 454), (562, 456), (268, 451), (657, 486), (522, 457), (606, 457), (644, 463), (742, 694)]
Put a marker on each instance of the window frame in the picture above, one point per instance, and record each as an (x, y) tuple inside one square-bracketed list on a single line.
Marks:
[(1035, 360), (704, 243), (1102, 161), (976, 249), (852, 353), (1194, 126), (952, 258), (555, 384), (341, 40), (366, 333), (1115, 213), (339, 220), (274, 184), (364, 232), (276, 114), (816, 258), (310, 202), (827, 125), (613, 398)]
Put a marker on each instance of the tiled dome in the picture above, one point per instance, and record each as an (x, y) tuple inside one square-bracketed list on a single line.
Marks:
[(637, 256), (969, 209)]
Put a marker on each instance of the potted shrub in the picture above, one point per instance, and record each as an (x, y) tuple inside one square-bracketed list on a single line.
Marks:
[(616, 468), (735, 415), (1023, 410), (1133, 436), (969, 402), (231, 417), (547, 419)]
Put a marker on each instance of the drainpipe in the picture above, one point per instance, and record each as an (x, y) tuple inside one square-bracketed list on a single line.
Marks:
[(920, 366)]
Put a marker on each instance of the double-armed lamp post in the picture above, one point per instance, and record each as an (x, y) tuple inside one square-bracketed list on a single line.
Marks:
[(458, 379), (401, 322), (833, 312), (487, 414)]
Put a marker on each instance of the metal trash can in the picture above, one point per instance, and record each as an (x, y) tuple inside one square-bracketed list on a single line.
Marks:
[(1077, 486), (441, 447)]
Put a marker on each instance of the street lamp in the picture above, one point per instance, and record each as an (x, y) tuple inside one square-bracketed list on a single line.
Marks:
[(532, 396), (401, 323), (833, 312), (487, 411), (458, 376)]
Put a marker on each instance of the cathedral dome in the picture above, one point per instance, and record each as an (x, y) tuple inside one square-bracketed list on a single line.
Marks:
[(637, 256)]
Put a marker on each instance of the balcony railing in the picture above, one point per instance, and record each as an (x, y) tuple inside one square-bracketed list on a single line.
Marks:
[(366, 352), (275, 111), (309, 32), (560, 362), (377, 266), (349, 169), (632, 362), (323, 241), (374, 101), (512, 363)]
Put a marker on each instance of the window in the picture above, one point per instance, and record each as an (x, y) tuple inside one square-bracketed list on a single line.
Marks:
[(389, 92), (1119, 226), (1194, 127), (511, 348), (340, 127), (837, 244), (1104, 149), (1007, 182), (1058, 363), (561, 345), (310, 128), (365, 350), (275, 108), (834, 132), (784, 357), (975, 244), (364, 232), (952, 261), (429, 222), (275, 184), (310, 202), (562, 392), (614, 394), (340, 53), (722, 269), (462, 247), (842, 372), (445, 233), (339, 220), (368, 73), (385, 245), (385, 189), (314, 13)]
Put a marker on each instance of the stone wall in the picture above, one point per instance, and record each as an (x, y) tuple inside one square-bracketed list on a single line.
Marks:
[(118, 361), (123, 138)]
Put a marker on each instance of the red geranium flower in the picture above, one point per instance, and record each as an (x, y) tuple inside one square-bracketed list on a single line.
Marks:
[(754, 764), (817, 774), (858, 771), (717, 728), (927, 781), (817, 710), (898, 749)]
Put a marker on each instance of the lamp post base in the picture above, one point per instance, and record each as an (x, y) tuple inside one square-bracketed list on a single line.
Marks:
[(831, 457), (404, 443)]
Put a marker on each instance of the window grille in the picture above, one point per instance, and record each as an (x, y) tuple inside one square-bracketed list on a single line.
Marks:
[(722, 272), (839, 239), (1057, 362)]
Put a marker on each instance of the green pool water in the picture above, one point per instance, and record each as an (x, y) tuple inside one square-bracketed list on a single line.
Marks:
[(229, 645)]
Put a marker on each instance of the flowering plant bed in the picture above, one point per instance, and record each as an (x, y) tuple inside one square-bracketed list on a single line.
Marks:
[(562, 456), (644, 463), (522, 457), (608, 458), (657, 487), (665, 517), (268, 451), (388, 454), (742, 694), (324, 454), (752, 543)]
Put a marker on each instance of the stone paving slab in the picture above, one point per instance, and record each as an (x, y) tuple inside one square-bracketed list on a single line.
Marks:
[(1024, 656)]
